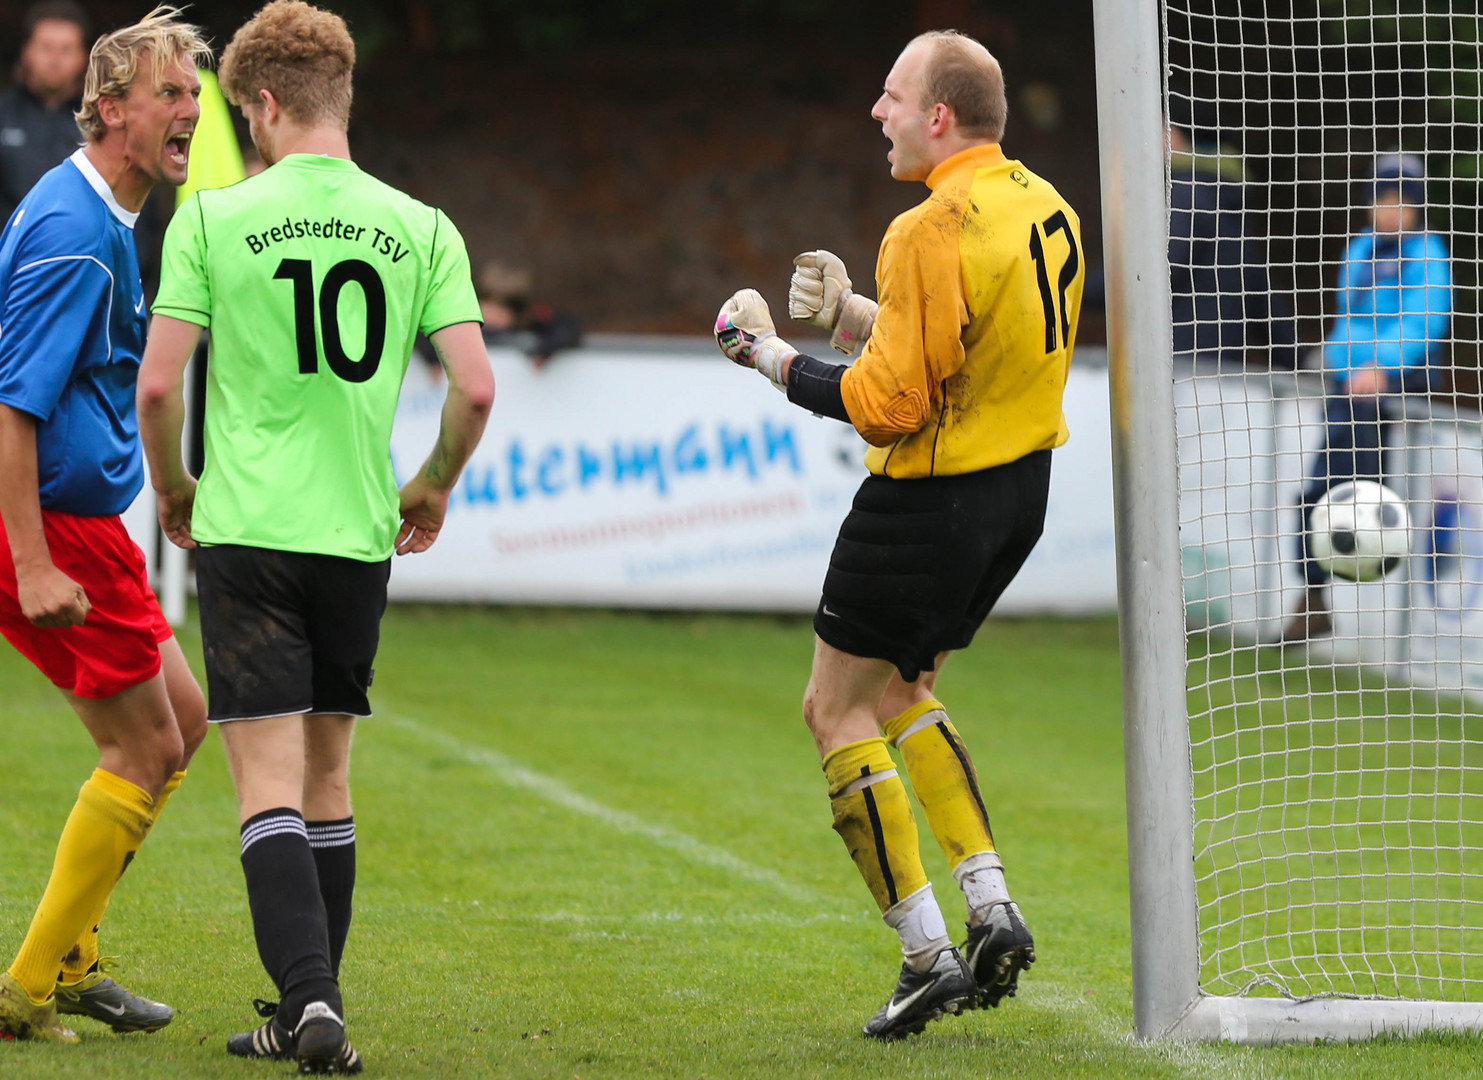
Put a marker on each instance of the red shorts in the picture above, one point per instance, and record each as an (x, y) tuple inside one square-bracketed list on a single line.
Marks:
[(118, 646)]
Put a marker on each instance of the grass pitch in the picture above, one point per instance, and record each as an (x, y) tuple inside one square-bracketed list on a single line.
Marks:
[(598, 845)]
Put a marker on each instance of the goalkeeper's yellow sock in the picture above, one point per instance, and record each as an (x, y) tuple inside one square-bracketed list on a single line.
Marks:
[(946, 784), (873, 817), (103, 832), (80, 960), (943, 778)]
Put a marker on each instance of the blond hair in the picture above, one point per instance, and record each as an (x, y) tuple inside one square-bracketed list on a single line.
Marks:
[(113, 65), (963, 75), (302, 55)]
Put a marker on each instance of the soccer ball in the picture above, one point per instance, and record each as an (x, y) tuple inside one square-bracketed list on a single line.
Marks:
[(1359, 531)]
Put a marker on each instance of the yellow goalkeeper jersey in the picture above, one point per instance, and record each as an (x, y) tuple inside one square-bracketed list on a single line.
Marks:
[(979, 288)]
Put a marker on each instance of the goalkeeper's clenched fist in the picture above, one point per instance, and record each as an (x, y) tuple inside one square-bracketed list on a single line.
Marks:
[(819, 294), (746, 335)]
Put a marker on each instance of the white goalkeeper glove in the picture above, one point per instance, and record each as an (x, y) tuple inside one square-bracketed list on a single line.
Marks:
[(819, 294), (746, 335)]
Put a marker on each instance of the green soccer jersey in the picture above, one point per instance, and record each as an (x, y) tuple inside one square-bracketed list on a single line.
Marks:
[(314, 279)]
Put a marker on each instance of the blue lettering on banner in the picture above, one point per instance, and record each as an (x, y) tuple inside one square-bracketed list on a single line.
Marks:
[(636, 461), (589, 466), (548, 473), (655, 464), (478, 484), (690, 455), (517, 459), (779, 441), (734, 445)]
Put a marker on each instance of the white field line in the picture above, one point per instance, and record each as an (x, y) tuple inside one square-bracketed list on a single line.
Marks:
[(515, 775), (654, 919), (1194, 1060)]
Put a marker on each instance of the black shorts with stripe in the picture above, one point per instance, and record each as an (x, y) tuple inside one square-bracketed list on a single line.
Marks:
[(919, 564), (285, 632)]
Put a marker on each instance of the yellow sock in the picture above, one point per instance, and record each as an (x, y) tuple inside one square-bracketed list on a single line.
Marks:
[(80, 960), (102, 834), (165, 793), (943, 778), (873, 816)]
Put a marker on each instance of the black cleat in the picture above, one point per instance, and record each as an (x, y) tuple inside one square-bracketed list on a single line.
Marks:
[(320, 1043), (921, 997), (997, 950), (271, 1040)]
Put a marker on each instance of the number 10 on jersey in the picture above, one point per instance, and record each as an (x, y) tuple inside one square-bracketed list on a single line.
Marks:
[(362, 274)]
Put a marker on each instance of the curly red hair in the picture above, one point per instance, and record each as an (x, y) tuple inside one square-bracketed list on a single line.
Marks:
[(303, 55)]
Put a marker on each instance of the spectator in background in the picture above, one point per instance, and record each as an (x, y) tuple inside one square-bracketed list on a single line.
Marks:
[(1394, 305), (1222, 301), (513, 317), (1222, 304), (37, 129)]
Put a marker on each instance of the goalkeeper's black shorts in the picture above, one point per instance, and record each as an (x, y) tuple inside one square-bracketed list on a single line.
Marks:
[(919, 564), (286, 632)]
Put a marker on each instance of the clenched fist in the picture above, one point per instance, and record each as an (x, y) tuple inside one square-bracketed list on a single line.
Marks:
[(819, 294), (745, 333)]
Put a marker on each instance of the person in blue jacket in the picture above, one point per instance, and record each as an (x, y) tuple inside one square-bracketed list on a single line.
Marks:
[(1394, 306)]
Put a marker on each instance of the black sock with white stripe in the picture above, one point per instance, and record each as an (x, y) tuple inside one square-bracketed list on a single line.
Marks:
[(333, 843), (288, 916)]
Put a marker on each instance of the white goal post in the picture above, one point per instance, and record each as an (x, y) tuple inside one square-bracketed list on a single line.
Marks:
[(1305, 825)]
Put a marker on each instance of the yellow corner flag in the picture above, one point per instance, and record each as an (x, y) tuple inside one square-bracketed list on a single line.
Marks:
[(216, 159)]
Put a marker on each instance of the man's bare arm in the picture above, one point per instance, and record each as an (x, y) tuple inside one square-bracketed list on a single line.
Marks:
[(161, 404), (424, 498), (48, 597)]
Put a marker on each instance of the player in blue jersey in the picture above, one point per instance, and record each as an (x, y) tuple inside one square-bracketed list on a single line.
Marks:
[(74, 597)]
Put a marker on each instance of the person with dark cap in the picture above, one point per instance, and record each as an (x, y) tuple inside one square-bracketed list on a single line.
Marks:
[(37, 130), (1394, 307)]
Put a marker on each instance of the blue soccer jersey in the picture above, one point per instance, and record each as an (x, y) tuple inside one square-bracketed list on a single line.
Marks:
[(72, 325)]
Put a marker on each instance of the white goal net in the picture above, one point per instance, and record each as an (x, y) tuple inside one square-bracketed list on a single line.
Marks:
[(1321, 181)]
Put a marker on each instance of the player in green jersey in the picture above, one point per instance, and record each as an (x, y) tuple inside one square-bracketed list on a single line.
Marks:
[(314, 279)]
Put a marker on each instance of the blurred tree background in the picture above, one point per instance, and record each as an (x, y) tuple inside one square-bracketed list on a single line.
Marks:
[(645, 158)]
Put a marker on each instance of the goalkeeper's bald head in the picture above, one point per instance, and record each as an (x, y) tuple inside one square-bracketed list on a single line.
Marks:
[(963, 75)]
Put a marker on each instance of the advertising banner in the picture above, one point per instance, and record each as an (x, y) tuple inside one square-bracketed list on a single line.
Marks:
[(661, 476), (1445, 463), (618, 478)]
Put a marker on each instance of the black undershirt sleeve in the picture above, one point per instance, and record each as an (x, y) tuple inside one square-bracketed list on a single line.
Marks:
[(814, 385)]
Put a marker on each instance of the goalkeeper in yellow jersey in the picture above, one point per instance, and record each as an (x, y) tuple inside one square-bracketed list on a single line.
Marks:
[(958, 390)]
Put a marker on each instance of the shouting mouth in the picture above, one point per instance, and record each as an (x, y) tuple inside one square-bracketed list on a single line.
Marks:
[(177, 148)]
